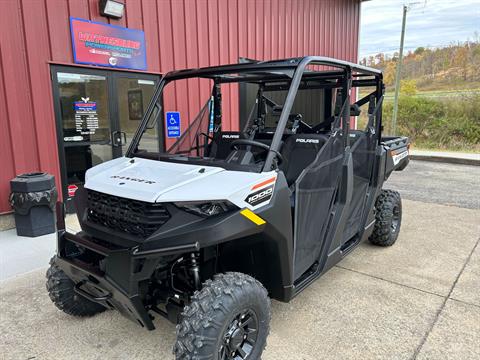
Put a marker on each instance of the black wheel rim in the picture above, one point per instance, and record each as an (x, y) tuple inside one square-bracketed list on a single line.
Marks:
[(395, 219), (240, 337)]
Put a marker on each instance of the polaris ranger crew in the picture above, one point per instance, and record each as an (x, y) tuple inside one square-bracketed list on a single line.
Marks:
[(205, 230)]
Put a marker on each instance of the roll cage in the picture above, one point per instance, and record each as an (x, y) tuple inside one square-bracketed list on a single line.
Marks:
[(288, 74)]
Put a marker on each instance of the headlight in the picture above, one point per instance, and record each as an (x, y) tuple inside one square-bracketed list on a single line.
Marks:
[(206, 208)]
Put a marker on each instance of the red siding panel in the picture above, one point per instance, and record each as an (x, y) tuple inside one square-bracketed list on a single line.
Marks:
[(37, 49), (151, 27), (7, 160), (59, 30), (179, 33), (16, 76), (78, 8), (133, 15)]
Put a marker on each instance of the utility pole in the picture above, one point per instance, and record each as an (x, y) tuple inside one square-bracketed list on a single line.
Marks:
[(399, 72)]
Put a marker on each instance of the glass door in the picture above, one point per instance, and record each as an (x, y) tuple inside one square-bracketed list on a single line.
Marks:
[(133, 94), (83, 104), (97, 113)]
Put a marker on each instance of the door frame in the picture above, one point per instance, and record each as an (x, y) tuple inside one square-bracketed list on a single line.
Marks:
[(113, 108)]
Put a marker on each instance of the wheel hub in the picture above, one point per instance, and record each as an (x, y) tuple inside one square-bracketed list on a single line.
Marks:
[(240, 337), (236, 339)]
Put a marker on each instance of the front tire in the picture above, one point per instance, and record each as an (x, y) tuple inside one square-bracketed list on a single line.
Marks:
[(61, 292), (388, 218), (229, 318)]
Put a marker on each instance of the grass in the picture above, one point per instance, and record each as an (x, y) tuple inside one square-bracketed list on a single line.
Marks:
[(439, 93)]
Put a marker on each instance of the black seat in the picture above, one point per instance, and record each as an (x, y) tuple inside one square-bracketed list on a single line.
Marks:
[(299, 151), (222, 142)]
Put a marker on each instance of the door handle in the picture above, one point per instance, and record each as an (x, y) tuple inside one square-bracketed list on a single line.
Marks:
[(119, 138)]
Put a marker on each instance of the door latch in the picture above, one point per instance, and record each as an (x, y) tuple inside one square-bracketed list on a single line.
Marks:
[(119, 138)]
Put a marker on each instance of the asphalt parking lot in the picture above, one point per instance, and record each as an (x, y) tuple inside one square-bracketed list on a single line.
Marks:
[(419, 299)]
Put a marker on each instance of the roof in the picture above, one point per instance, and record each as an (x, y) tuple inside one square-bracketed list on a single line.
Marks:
[(278, 67)]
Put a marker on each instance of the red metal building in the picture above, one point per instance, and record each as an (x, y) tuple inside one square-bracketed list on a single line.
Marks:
[(38, 73)]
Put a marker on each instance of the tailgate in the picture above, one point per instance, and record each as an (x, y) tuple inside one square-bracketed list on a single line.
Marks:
[(397, 148)]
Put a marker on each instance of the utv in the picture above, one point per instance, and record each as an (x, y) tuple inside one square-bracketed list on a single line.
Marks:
[(205, 230)]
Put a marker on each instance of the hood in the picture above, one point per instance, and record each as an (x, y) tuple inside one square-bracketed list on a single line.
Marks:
[(143, 179)]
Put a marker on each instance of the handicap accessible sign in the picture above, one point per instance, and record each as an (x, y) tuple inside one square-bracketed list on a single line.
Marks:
[(172, 120)]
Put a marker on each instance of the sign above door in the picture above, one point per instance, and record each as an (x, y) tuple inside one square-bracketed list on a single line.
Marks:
[(102, 44)]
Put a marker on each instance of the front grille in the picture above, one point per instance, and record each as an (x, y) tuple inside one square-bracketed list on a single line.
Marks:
[(131, 216)]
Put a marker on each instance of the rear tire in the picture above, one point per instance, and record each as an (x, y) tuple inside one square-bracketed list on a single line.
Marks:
[(60, 290), (227, 319), (388, 218)]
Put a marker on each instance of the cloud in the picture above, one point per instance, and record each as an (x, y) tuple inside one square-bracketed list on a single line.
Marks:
[(436, 23)]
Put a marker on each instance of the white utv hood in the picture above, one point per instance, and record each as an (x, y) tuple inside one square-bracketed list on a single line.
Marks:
[(159, 181)]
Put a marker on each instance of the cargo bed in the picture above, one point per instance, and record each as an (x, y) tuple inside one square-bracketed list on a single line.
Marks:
[(397, 148)]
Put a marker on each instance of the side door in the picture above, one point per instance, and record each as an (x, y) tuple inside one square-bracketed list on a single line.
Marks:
[(83, 113), (363, 143), (316, 196)]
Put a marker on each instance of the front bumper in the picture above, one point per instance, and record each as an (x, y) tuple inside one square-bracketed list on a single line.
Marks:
[(107, 274)]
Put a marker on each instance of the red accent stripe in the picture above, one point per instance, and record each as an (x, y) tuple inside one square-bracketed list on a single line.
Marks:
[(268, 181)]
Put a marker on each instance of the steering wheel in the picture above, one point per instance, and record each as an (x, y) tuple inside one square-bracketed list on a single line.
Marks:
[(248, 142)]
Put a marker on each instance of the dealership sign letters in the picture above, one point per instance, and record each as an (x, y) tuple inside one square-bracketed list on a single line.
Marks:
[(107, 45)]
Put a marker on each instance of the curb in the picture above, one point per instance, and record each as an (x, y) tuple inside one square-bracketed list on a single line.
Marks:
[(445, 159)]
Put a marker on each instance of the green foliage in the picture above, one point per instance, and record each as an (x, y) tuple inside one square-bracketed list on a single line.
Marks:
[(419, 51), (452, 124), (408, 87)]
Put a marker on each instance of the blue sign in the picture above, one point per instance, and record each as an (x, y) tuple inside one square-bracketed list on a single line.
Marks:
[(107, 45), (85, 105), (172, 121)]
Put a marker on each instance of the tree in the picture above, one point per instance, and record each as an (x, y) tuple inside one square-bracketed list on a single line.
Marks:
[(408, 87), (461, 60), (389, 73), (379, 59), (419, 50)]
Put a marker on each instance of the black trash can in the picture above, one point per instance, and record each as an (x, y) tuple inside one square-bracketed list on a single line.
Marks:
[(33, 198)]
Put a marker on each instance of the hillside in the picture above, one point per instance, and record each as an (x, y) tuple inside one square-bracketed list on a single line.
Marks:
[(456, 66), (439, 104)]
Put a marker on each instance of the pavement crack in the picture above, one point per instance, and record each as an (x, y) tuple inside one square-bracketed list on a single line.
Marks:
[(464, 302), (390, 281), (439, 311)]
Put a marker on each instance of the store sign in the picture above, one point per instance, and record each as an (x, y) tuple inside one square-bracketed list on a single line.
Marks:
[(107, 45)]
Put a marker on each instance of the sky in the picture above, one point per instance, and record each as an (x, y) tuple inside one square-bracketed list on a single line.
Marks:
[(434, 24)]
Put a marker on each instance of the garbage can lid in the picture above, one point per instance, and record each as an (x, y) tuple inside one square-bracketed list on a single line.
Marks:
[(32, 175), (34, 181)]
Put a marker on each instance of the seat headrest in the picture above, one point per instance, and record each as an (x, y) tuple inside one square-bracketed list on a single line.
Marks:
[(222, 142), (299, 151), (230, 135)]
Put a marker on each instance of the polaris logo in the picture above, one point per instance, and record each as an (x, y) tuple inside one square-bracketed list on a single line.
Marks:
[(230, 136), (308, 141), (396, 158), (132, 179), (260, 196)]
